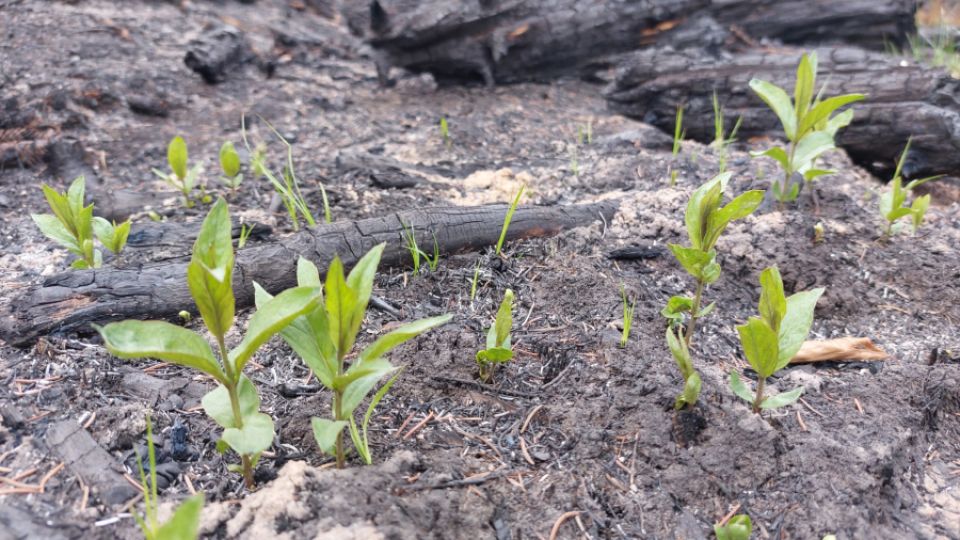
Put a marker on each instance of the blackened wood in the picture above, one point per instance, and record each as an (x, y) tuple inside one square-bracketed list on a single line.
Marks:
[(85, 458), (905, 99), (521, 40), (71, 301)]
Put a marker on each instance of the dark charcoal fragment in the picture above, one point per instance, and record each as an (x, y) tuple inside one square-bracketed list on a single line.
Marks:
[(214, 54)]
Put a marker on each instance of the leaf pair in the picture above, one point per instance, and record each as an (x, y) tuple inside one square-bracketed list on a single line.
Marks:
[(498, 349), (691, 379), (772, 339), (706, 219), (738, 528), (893, 203), (181, 177), (324, 336)]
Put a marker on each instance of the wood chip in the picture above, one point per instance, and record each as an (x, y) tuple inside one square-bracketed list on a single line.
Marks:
[(849, 349)]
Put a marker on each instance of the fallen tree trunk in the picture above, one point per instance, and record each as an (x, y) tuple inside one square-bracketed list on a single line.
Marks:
[(70, 302), (904, 100), (522, 40)]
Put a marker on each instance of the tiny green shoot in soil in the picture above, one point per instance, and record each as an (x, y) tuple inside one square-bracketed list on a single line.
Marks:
[(738, 528), (499, 349), (508, 218), (678, 135), (230, 165), (628, 311), (893, 202), (181, 177)]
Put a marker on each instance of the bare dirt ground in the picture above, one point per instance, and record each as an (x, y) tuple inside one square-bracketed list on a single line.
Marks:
[(574, 423)]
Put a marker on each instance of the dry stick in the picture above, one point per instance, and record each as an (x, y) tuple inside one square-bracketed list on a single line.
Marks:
[(419, 426), (530, 416), (803, 426), (563, 517), (729, 515)]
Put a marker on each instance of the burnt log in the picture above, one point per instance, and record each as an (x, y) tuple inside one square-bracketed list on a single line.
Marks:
[(71, 301), (522, 40), (217, 52), (904, 100)]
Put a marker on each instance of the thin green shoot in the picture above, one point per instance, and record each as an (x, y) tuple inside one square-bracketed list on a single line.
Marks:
[(434, 261), (445, 131), (473, 282), (508, 218), (628, 311), (244, 235), (678, 135), (410, 242), (720, 139)]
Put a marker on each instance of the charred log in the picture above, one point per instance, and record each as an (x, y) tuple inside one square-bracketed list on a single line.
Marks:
[(70, 302), (904, 100)]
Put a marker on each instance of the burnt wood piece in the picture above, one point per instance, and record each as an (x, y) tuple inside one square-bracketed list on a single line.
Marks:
[(69, 441), (523, 40), (904, 99), (869, 24), (71, 301), (218, 51)]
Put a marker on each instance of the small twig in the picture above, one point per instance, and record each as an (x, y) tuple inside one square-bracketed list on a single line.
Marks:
[(814, 411), (419, 426), (404, 424), (526, 454), (563, 517), (729, 515), (53, 472), (530, 416), (803, 426), (857, 403)]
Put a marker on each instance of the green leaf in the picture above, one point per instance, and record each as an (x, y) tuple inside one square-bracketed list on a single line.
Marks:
[(681, 354), (216, 403), (707, 310), (364, 441), (740, 389), (838, 122), (394, 338), (61, 207), (325, 432), (806, 78), (75, 197), (776, 153), (760, 346), (272, 317), (229, 160), (504, 320), (810, 147), (711, 272), (822, 111), (692, 260), (210, 273), (782, 399), (185, 522), (738, 528), (886, 203), (691, 389), (177, 157), (163, 341), (796, 324), (307, 274), (920, 181), (676, 307), (740, 207), (358, 389), (704, 200), (919, 209), (360, 280), (812, 174), (773, 302), (779, 102), (341, 303), (496, 355), (254, 437), (51, 226)]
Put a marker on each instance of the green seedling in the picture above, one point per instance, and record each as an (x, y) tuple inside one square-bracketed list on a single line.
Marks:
[(705, 221), (445, 131), (185, 522), (738, 528), (324, 337), (498, 349), (410, 242), (244, 235), (180, 177), (819, 233), (678, 135), (628, 311), (721, 140), (808, 123), (230, 165), (71, 224), (433, 262), (772, 339), (691, 379), (893, 203), (112, 236), (473, 282), (234, 403), (508, 218), (585, 133)]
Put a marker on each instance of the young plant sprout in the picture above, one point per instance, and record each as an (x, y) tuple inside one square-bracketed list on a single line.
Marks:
[(628, 311), (180, 177), (234, 403), (230, 165), (73, 226), (893, 203), (678, 135), (325, 336), (738, 528), (691, 379), (772, 339), (508, 218), (410, 242), (445, 131), (434, 261), (473, 282), (706, 220), (498, 349), (807, 125), (185, 522), (245, 231), (720, 139)]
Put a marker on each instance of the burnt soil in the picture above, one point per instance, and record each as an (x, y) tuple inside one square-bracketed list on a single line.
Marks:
[(574, 423)]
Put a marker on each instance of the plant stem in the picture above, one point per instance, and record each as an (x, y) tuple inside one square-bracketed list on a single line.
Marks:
[(761, 382), (692, 325), (235, 407), (337, 413)]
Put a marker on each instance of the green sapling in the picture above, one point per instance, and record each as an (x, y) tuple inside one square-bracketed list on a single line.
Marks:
[(893, 203), (499, 349), (180, 177), (230, 165), (772, 339), (71, 225)]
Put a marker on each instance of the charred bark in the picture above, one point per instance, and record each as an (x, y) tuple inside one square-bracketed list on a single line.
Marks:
[(904, 100), (70, 302), (520, 40)]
